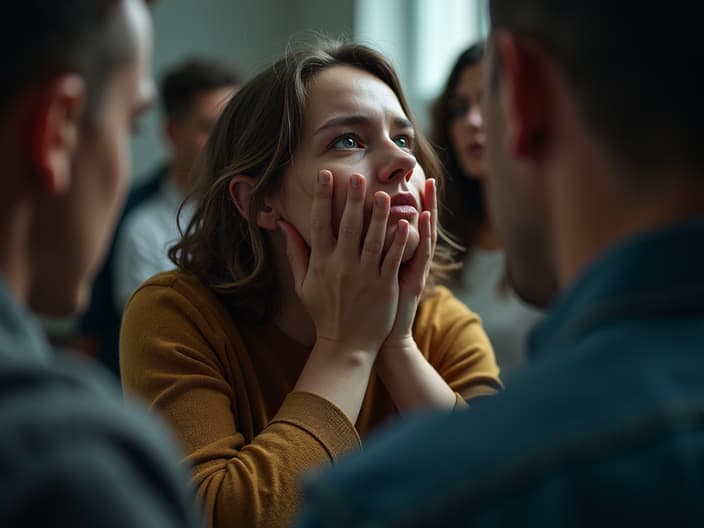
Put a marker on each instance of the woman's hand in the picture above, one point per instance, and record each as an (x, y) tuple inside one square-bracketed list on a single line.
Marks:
[(412, 382), (350, 289), (413, 274), (351, 293)]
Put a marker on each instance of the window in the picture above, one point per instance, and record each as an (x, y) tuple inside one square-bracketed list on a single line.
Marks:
[(422, 38)]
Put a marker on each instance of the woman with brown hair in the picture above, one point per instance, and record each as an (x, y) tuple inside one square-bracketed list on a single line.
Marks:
[(300, 316), (482, 284)]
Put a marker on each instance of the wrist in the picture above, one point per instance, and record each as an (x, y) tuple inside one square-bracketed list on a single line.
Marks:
[(398, 349), (344, 352)]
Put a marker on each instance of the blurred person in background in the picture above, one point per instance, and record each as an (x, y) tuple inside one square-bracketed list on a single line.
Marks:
[(482, 283), (193, 93)]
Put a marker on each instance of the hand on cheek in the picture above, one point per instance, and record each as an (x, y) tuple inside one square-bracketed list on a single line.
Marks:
[(414, 273), (349, 285)]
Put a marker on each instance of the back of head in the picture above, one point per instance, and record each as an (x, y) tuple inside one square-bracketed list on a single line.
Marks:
[(632, 68), (74, 79), (190, 78), (43, 39)]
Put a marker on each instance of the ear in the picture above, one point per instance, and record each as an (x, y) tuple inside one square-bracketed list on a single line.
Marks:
[(55, 130), (240, 189), (525, 95), (171, 130)]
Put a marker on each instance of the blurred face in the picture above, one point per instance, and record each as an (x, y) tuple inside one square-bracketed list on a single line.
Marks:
[(354, 123), (74, 230), (189, 134), (518, 205), (466, 130)]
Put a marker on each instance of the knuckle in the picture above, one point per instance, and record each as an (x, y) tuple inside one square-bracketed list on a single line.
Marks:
[(317, 223), (373, 247), (349, 231)]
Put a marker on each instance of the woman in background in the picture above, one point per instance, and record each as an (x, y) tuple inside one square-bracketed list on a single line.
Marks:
[(482, 284)]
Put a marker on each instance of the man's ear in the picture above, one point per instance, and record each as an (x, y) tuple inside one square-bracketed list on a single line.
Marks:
[(525, 94), (240, 189), (55, 130), (171, 130)]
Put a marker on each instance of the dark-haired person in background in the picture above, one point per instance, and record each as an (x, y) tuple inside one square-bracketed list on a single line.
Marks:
[(75, 77), (482, 284), (193, 94), (597, 192)]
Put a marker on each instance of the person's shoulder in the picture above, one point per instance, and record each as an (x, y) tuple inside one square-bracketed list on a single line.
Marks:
[(144, 216), (179, 294), (178, 283), (439, 303), (69, 397), (67, 432)]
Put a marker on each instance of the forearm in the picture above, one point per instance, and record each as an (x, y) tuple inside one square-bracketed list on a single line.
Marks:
[(255, 484), (412, 382), (340, 376)]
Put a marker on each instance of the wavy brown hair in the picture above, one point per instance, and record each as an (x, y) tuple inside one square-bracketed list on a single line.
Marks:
[(257, 135)]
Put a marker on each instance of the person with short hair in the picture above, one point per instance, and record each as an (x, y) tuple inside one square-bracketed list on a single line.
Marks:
[(75, 77), (193, 94), (594, 118)]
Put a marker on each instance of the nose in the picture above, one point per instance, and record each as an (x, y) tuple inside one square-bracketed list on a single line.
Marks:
[(474, 116), (397, 164)]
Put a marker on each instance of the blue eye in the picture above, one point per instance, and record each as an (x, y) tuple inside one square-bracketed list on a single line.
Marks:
[(346, 142), (403, 141)]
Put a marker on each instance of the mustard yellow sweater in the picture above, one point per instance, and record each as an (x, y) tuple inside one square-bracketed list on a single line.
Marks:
[(225, 388)]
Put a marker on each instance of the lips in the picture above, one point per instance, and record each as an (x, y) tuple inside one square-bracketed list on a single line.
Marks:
[(404, 205), (475, 148)]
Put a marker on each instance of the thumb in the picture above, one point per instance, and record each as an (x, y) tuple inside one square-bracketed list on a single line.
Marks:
[(296, 251)]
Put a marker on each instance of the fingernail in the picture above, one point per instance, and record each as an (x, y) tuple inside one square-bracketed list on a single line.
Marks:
[(356, 181), (379, 199), (323, 177)]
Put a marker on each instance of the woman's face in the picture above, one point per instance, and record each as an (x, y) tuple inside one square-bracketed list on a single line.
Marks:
[(354, 124), (466, 127)]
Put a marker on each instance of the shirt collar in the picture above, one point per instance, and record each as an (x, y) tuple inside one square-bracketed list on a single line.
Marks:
[(660, 272), (22, 337)]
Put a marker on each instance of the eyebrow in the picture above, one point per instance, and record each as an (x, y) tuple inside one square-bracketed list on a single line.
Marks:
[(358, 119)]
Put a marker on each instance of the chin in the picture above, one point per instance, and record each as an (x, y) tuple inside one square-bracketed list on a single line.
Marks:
[(411, 244), (474, 170)]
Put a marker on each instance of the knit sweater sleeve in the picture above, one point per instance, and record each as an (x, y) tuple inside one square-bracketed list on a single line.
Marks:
[(174, 354), (454, 342)]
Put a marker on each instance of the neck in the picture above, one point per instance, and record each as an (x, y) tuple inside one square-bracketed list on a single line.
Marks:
[(486, 237), (293, 319), (180, 176), (598, 221), (15, 223)]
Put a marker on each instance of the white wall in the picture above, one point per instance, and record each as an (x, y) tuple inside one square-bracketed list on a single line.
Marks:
[(247, 33)]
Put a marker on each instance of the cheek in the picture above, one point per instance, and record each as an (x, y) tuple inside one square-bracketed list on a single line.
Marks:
[(200, 140), (455, 134), (338, 201), (117, 165)]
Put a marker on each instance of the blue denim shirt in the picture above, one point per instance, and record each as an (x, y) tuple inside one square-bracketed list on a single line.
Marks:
[(604, 427)]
